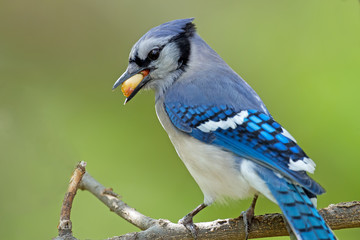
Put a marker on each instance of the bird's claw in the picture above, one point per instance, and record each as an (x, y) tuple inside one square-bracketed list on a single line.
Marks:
[(188, 223), (248, 216)]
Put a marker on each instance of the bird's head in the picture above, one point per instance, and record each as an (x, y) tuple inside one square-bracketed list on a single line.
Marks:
[(158, 58)]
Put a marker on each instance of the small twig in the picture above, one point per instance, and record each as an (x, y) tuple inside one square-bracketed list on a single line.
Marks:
[(65, 226), (110, 199)]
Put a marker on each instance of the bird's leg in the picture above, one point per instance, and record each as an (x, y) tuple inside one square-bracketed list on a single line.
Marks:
[(248, 216), (187, 221)]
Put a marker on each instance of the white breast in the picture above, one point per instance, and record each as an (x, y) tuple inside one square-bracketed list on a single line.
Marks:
[(216, 172)]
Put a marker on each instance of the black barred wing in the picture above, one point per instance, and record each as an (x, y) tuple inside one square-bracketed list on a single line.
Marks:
[(249, 134)]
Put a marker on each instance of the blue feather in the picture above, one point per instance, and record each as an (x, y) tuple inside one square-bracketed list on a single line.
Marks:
[(302, 216)]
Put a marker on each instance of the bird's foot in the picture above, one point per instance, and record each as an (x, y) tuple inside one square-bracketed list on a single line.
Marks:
[(248, 216), (187, 221)]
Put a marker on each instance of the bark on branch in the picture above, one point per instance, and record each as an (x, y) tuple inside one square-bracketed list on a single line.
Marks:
[(338, 216), (65, 225)]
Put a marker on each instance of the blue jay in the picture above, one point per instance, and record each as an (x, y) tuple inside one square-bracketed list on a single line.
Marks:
[(221, 129)]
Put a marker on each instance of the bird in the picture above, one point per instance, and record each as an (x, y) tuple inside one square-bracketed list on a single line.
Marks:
[(222, 130)]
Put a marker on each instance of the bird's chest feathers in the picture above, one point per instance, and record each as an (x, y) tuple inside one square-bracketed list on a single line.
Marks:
[(216, 171)]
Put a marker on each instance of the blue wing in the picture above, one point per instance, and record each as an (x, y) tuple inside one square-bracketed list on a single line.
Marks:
[(250, 134), (301, 214)]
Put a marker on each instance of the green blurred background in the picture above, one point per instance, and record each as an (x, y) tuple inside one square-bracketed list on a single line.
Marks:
[(59, 59)]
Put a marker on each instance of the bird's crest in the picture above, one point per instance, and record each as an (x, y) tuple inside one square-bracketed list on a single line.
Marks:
[(172, 29)]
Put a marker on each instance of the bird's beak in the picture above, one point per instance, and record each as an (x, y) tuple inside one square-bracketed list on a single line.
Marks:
[(131, 82)]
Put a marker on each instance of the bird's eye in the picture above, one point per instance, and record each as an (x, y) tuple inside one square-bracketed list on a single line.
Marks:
[(154, 54)]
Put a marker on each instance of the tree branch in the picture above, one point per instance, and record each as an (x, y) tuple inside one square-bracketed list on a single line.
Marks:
[(338, 216), (111, 199)]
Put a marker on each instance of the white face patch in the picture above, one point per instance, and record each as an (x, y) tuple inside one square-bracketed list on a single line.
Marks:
[(231, 122), (168, 60), (305, 164), (164, 69), (144, 46)]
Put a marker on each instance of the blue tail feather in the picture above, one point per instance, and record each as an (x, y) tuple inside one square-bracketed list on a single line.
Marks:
[(302, 216)]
